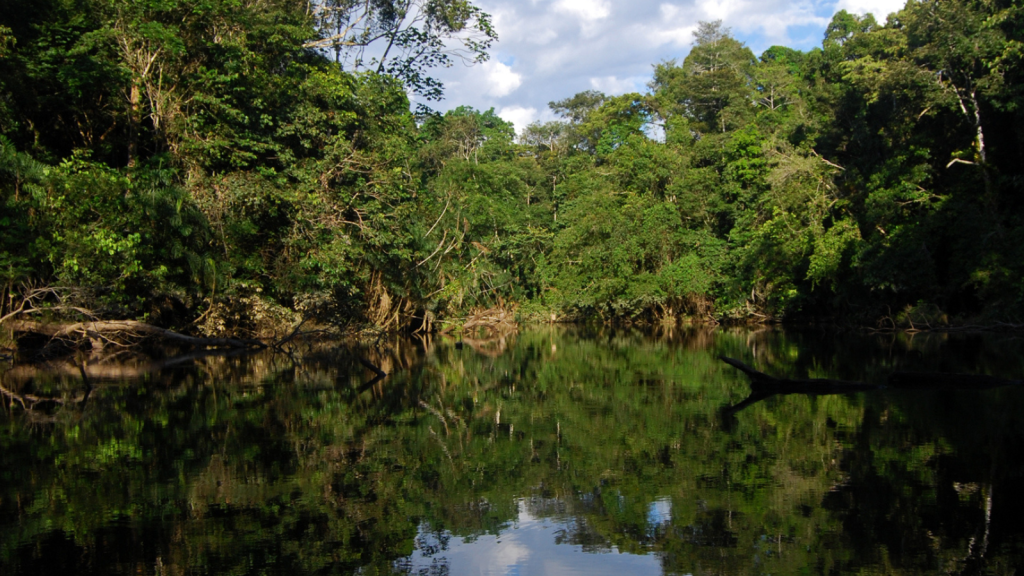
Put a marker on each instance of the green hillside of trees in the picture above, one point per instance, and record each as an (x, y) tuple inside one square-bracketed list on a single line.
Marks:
[(233, 166)]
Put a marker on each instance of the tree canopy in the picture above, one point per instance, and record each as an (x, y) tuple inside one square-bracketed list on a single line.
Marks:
[(229, 167)]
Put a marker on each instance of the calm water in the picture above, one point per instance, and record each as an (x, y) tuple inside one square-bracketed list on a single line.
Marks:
[(553, 451)]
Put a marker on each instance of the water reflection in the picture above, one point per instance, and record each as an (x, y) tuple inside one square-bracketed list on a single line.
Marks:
[(555, 449), (547, 545)]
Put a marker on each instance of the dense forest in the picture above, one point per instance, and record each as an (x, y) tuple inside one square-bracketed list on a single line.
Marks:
[(227, 166)]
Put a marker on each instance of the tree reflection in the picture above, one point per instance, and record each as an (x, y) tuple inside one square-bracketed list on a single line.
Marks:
[(309, 463)]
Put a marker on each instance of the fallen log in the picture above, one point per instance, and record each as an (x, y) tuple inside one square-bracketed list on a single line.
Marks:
[(103, 328), (760, 381), (372, 367), (764, 386)]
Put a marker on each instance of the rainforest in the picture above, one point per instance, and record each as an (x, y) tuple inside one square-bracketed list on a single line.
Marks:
[(271, 304), (227, 167)]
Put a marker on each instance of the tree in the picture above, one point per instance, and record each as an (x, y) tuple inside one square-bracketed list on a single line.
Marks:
[(576, 111), (463, 133), (958, 43), (844, 26), (546, 135), (617, 119), (713, 86), (404, 38)]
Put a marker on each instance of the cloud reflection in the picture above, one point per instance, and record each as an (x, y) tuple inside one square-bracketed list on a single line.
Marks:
[(529, 546)]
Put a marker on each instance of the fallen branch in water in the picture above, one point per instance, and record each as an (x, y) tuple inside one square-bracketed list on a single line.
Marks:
[(763, 386), (373, 367), (763, 382), (112, 328), (277, 345)]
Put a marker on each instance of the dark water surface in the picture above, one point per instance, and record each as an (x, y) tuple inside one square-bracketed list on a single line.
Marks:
[(553, 451)]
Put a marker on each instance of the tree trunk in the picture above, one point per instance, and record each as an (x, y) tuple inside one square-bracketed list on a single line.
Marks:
[(134, 123)]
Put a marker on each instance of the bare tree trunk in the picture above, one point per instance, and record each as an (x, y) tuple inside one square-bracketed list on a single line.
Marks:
[(134, 123), (979, 144)]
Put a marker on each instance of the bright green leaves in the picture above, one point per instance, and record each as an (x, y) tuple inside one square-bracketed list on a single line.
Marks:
[(616, 121), (94, 232), (745, 157), (829, 251), (7, 41), (626, 255), (844, 27), (466, 134)]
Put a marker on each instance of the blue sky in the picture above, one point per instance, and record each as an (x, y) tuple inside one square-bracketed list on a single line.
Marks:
[(551, 49)]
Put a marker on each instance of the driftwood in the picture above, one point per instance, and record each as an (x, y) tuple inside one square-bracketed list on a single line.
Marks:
[(101, 330), (496, 321), (763, 386)]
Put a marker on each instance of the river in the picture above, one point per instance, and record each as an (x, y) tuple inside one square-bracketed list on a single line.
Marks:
[(551, 451)]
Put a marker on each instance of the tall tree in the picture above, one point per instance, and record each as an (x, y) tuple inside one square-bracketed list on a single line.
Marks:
[(958, 42), (404, 38), (713, 86)]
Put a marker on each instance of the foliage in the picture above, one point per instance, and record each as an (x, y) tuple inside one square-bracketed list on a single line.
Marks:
[(212, 152)]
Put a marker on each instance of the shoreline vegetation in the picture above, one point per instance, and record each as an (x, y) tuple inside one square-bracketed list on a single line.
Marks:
[(233, 175)]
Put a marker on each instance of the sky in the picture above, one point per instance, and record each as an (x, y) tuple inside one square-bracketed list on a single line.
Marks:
[(552, 49)]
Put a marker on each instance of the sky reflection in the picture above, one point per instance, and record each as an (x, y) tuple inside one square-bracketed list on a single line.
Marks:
[(530, 546)]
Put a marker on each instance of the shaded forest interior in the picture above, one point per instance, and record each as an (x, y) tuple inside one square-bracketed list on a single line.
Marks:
[(229, 169)]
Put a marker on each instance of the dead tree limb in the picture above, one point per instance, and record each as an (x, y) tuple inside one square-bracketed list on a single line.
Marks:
[(373, 367)]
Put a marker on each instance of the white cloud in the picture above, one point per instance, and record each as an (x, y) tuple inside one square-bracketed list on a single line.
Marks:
[(677, 26), (614, 86), (501, 80), (519, 116), (544, 37), (721, 9), (880, 8), (586, 10), (551, 49)]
